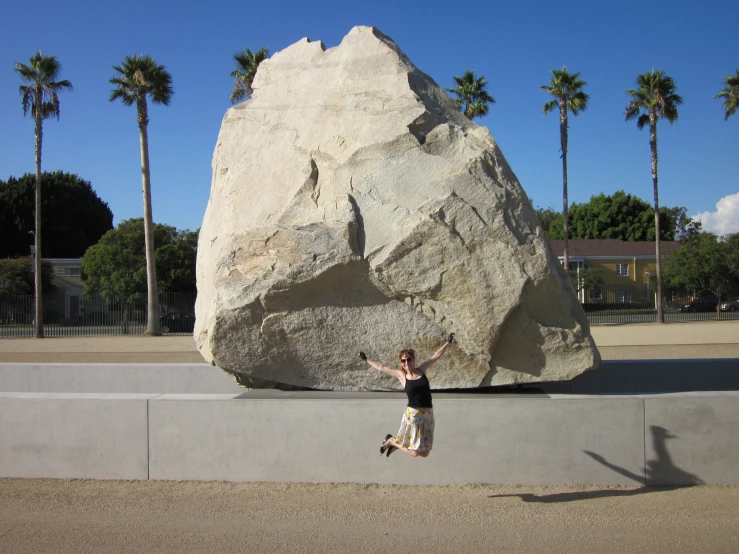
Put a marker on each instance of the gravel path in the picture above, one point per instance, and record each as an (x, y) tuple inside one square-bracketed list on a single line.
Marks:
[(80, 516)]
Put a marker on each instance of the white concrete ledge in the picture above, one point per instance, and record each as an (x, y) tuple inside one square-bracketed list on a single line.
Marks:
[(116, 378), (334, 437)]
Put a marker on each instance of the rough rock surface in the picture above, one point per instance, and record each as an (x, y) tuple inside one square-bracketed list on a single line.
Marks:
[(354, 208)]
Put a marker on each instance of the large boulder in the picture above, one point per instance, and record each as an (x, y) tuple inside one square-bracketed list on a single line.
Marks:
[(353, 207)]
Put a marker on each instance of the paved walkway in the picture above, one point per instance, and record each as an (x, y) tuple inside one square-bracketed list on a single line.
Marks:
[(78, 516), (705, 339)]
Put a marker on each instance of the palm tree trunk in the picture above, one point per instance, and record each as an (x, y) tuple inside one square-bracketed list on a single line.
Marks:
[(565, 213), (153, 327), (39, 319), (653, 146)]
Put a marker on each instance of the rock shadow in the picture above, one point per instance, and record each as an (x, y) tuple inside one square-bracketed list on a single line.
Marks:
[(660, 470)]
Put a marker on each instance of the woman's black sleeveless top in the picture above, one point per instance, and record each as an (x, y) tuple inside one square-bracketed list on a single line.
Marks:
[(419, 392)]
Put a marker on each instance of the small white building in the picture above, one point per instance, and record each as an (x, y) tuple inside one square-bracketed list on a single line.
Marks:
[(67, 300)]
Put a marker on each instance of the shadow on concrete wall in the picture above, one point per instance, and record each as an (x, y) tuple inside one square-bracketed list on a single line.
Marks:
[(661, 474)]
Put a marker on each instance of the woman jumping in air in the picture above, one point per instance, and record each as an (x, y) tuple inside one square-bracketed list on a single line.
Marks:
[(416, 434)]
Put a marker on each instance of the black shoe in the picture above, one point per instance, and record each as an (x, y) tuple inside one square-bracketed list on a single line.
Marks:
[(390, 451), (382, 446)]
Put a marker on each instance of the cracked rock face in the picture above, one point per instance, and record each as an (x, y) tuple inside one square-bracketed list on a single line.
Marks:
[(354, 208)]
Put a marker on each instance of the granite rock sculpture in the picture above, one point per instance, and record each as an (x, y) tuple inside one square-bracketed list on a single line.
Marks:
[(353, 207)]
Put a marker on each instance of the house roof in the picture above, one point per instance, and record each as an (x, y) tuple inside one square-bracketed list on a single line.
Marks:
[(73, 262), (613, 247)]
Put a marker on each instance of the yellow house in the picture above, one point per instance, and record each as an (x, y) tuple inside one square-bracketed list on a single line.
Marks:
[(623, 267)]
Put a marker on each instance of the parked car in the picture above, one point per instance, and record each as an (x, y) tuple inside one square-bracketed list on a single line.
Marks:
[(700, 305), (730, 306), (177, 322)]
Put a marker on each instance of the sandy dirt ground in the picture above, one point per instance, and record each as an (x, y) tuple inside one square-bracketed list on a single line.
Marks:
[(80, 516)]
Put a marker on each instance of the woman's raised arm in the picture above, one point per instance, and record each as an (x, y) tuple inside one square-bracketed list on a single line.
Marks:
[(378, 366), (438, 354)]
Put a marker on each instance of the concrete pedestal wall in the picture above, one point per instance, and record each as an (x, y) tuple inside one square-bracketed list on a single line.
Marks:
[(692, 438), (93, 436), (314, 439), (672, 439)]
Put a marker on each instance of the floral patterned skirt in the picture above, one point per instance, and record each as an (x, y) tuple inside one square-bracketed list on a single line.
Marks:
[(417, 429)]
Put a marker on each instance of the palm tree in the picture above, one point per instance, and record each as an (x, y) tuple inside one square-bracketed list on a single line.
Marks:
[(135, 79), (730, 94), (568, 96), (40, 96), (472, 98), (654, 99), (247, 63)]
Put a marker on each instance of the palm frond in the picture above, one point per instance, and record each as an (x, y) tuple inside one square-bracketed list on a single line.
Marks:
[(566, 87), (476, 109), (470, 93), (239, 92), (578, 102), (40, 96), (247, 64), (655, 93), (730, 95), (550, 106), (141, 76)]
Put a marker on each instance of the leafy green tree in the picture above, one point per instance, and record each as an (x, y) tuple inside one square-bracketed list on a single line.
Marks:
[(702, 264), (16, 275), (551, 221), (732, 254), (681, 226), (586, 279), (654, 98), (247, 63), (568, 95), (117, 263), (137, 78), (41, 98), (472, 98), (176, 261), (730, 94), (74, 217), (618, 216)]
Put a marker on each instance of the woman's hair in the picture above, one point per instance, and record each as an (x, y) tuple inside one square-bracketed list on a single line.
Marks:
[(410, 352)]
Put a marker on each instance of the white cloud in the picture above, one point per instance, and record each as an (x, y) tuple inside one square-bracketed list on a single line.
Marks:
[(725, 219)]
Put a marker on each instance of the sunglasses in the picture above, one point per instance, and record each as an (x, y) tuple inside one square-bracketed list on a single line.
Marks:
[(405, 360)]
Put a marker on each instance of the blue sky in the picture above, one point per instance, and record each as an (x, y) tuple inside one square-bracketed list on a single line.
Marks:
[(514, 44)]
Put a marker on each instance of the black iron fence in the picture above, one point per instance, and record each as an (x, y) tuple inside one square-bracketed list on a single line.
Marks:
[(68, 314), (638, 303)]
